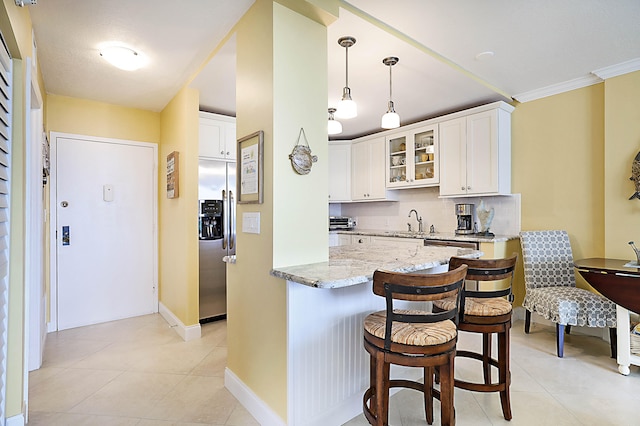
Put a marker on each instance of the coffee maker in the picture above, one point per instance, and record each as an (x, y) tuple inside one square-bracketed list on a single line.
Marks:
[(464, 212)]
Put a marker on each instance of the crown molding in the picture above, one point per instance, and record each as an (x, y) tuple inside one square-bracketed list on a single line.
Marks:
[(595, 77), (555, 89), (618, 69)]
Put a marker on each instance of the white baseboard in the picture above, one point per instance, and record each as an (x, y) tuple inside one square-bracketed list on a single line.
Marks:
[(601, 332), (186, 332), (15, 420), (251, 402)]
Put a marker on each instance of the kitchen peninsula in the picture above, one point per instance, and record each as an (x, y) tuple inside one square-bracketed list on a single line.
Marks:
[(328, 368)]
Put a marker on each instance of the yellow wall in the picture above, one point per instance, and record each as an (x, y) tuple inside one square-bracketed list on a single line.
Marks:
[(91, 118), (178, 217), (557, 153), (17, 310), (281, 87), (622, 143), (299, 199), (506, 249), (175, 129), (256, 318), (572, 156)]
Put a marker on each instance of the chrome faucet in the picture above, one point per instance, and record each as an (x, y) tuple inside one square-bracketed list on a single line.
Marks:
[(418, 218)]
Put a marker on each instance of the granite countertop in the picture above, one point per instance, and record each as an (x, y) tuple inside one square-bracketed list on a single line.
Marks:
[(448, 236), (355, 264)]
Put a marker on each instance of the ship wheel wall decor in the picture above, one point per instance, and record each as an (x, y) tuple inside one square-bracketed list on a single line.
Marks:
[(301, 157)]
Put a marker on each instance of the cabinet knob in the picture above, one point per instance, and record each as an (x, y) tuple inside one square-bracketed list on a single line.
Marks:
[(462, 188), (468, 187), (227, 152), (222, 152)]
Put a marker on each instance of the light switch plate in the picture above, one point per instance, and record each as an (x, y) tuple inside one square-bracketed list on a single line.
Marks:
[(251, 222)]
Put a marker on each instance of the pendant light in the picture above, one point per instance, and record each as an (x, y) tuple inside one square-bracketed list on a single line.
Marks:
[(346, 107), (391, 119), (334, 127)]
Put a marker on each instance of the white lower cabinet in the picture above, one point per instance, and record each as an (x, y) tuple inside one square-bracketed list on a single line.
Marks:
[(396, 240), (360, 239), (336, 240), (344, 240)]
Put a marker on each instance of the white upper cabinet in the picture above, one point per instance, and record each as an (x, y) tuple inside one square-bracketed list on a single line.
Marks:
[(412, 158), (339, 172), (475, 153), (217, 136), (368, 165)]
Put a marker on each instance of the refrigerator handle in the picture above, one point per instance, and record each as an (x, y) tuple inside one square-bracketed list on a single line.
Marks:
[(232, 214), (224, 228)]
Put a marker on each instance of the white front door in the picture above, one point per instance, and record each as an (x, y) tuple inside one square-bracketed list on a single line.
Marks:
[(105, 222)]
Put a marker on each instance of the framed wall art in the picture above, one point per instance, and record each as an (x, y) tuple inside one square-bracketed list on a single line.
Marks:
[(250, 168), (173, 175)]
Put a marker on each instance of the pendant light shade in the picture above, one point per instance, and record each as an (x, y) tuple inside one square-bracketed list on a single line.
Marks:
[(334, 127), (390, 120), (347, 108)]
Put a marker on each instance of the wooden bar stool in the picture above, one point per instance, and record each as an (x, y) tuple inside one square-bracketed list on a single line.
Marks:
[(487, 312), (412, 338)]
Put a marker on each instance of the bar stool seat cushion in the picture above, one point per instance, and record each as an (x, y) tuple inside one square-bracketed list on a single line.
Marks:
[(414, 334), (478, 306)]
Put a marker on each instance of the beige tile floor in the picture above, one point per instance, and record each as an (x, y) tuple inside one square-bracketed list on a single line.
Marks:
[(583, 388), (136, 371), (139, 372)]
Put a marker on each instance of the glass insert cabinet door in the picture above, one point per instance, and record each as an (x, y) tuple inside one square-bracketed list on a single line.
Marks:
[(413, 158)]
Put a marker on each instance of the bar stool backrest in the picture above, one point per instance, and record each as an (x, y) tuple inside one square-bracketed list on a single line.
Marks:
[(488, 270), (418, 288)]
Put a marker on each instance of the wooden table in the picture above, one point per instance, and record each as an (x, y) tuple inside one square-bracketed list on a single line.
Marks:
[(620, 284)]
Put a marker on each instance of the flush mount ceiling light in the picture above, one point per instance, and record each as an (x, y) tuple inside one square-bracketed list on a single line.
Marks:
[(123, 57), (334, 127), (484, 56), (390, 120), (347, 108)]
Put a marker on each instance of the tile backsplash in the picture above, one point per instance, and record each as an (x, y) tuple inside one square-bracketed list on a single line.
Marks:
[(439, 212)]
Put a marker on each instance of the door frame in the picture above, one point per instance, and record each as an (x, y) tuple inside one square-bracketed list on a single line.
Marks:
[(53, 202), (35, 219)]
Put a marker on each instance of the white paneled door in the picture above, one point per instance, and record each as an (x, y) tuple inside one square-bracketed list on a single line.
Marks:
[(106, 226)]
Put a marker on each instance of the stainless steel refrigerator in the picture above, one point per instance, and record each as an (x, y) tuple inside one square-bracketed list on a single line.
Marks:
[(217, 234)]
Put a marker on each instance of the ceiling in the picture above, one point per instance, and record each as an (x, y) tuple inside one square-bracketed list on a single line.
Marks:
[(539, 48)]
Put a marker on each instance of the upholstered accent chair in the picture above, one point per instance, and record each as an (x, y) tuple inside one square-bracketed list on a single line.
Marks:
[(551, 290), (412, 338)]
